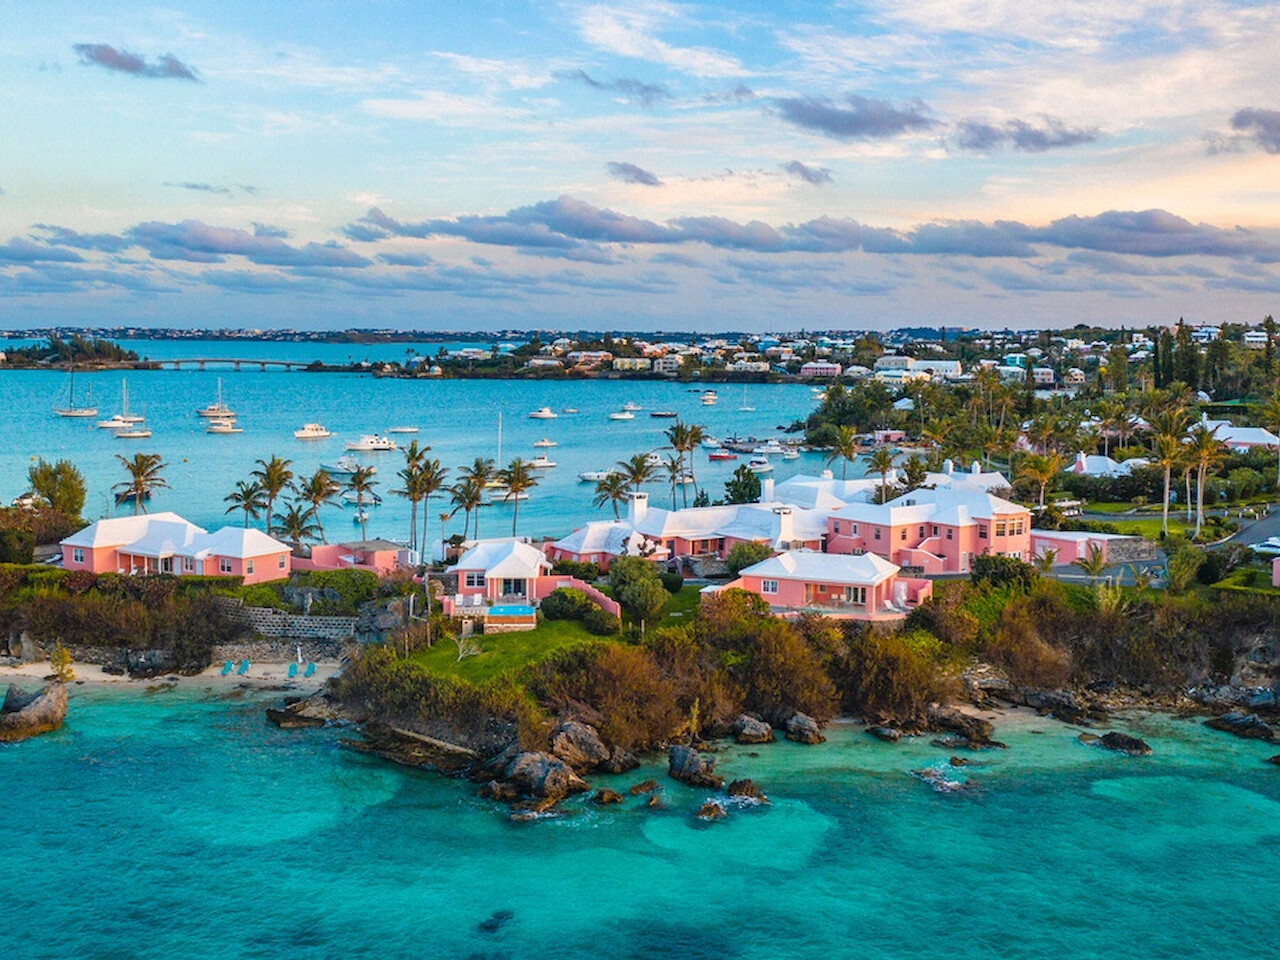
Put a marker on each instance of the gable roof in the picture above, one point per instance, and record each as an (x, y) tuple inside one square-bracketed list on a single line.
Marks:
[(115, 531), (169, 535), (836, 568), (504, 558)]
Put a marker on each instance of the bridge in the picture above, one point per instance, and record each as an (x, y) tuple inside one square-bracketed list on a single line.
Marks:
[(202, 362)]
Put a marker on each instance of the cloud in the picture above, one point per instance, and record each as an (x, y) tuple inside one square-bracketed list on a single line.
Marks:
[(855, 118), (678, 260), (199, 187), (1152, 233), (65, 237), (630, 173), (167, 66), (629, 32), (738, 93), (1263, 126), (814, 175), (197, 242), (406, 259), (1051, 134), (267, 230), (635, 91), (19, 250)]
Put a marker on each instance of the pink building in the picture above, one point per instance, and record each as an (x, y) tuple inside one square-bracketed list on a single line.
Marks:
[(377, 556), (714, 531), (863, 587), (938, 531), (510, 573), (602, 542), (1072, 545), (166, 543)]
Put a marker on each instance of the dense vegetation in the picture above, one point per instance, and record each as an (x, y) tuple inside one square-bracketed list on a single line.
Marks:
[(78, 349)]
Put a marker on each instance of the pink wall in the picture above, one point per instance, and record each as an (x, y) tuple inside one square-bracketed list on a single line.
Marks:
[(1068, 550), (902, 544), (800, 594), (96, 559), (110, 560), (325, 556), (1275, 572)]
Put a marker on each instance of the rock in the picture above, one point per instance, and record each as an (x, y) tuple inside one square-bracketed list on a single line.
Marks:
[(527, 810), (25, 714), (951, 719), (148, 664), (747, 790), (604, 796), (711, 811), (887, 734), (1247, 725), (620, 761), (1122, 743), (500, 790), (544, 776), (578, 745), (1275, 760), (802, 728), (689, 766), (654, 802), (1062, 705), (938, 780), (293, 719), (747, 729), (497, 920), (962, 762), (645, 786), (953, 742)]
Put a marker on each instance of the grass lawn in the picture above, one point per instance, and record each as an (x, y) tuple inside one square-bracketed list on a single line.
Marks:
[(1249, 580), (1151, 528), (679, 609), (503, 652)]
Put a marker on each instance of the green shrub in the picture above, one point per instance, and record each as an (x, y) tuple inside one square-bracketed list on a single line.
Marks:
[(673, 581), (587, 572), (17, 546), (1004, 571), (601, 624), (565, 603), (743, 555), (344, 590)]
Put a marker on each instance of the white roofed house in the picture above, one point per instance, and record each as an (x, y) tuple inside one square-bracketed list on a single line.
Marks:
[(603, 541), (1241, 439)]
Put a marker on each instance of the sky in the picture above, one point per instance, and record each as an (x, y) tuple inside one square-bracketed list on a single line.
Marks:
[(670, 166)]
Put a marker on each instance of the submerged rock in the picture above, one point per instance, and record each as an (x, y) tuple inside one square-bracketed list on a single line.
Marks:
[(578, 745), (25, 714), (711, 810), (293, 719), (940, 782), (620, 761), (954, 742), (802, 728), (1247, 725), (604, 796), (497, 920), (887, 734), (747, 729), (954, 721), (746, 789), (1275, 759), (1119, 742), (654, 802), (689, 766), (644, 786)]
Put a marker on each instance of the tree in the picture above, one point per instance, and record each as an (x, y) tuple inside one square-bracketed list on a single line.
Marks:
[(675, 475), (361, 483), (1094, 564), (433, 481), (611, 490), (468, 495), (275, 477), (1270, 416), (637, 470), (1167, 454), (60, 662), (249, 497), (881, 462), (145, 472), (1041, 470), (684, 439), (744, 554), (518, 478), (59, 484), (742, 487), (1205, 452), (411, 476), (644, 599), (844, 447), (296, 525), (914, 471), (318, 490)]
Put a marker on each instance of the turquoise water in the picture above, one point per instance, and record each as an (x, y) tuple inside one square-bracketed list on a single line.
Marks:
[(458, 418), (180, 824), (511, 610)]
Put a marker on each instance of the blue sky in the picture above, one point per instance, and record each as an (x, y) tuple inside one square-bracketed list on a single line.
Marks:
[(642, 165)]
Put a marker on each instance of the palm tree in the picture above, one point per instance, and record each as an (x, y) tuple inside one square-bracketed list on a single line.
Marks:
[(296, 524), (361, 483), (684, 439), (433, 480), (1167, 454), (637, 470), (881, 462), (144, 477), (317, 490), (612, 490), (845, 448), (411, 474), (1040, 469), (518, 478), (481, 469), (675, 474), (275, 477), (468, 495), (1205, 452), (1270, 414), (1094, 564), (248, 497)]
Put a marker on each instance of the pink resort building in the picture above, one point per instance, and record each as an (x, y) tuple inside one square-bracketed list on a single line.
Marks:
[(862, 587), (166, 543), (510, 574), (377, 556)]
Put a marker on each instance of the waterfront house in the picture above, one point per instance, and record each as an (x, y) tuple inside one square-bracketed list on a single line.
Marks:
[(1241, 439), (1096, 465), (603, 541), (377, 556), (510, 573), (166, 543), (861, 587)]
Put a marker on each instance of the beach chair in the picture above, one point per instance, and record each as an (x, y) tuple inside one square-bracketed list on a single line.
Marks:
[(228, 667), (244, 668), (293, 670), (310, 671)]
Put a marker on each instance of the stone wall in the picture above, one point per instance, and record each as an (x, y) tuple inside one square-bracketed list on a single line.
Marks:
[(281, 624), (1131, 550)]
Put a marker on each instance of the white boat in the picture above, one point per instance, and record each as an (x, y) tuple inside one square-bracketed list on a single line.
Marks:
[(71, 410), (746, 407), (369, 499), (371, 441), (653, 459), (311, 431), (544, 442), (595, 476), (360, 517), (540, 462), (115, 422), (124, 419), (710, 443), (769, 447), (133, 433), (791, 453), (217, 409), (543, 413), (506, 496), (225, 425), (622, 415), (632, 406), (569, 410), (708, 398), (402, 430), (759, 465), (343, 467)]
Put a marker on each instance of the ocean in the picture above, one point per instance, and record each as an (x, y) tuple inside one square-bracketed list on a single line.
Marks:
[(180, 824), (459, 419)]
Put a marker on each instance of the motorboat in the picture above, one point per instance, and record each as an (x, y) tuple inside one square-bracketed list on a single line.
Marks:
[(344, 467), (360, 516), (722, 455), (507, 496), (595, 476), (115, 422), (71, 410), (653, 459), (569, 410), (710, 443), (370, 442), (708, 398), (791, 453), (544, 413), (402, 430), (769, 447), (759, 465), (223, 425), (124, 419), (540, 462), (368, 498), (622, 415), (544, 442), (133, 433), (311, 431), (664, 414), (216, 410), (633, 407)]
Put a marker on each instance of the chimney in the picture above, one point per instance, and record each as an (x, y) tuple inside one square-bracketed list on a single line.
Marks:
[(637, 507), (786, 527), (828, 475), (976, 467), (766, 490), (948, 467)]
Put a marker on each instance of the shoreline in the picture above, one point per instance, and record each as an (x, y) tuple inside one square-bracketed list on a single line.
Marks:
[(265, 675)]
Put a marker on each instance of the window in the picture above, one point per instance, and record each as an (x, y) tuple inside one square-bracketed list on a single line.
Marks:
[(855, 594), (982, 531), (248, 568), (903, 534), (1001, 527), (224, 565), (877, 533), (1015, 527), (768, 586), (935, 530), (922, 531), (475, 579), (281, 561), (188, 564), (853, 528), (77, 555), (948, 533)]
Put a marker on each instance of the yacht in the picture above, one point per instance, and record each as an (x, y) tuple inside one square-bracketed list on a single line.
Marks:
[(708, 398), (124, 419), (544, 413), (746, 407), (311, 431), (569, 410), (369, 499), (402, 430), (791, 454), (540, 462), (216, 410), (721, 455), (595, 476), (710, 443), (71, 410), (371, 441), (769, 447), (506, 496), (544, 442), (133, 433), (633, 407), (664, 414), (115, 422), (759, 465), (622, 415), (343, 467), (223, 425)]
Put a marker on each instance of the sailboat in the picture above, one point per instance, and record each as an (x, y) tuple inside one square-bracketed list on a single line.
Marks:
[(71, 410), (216, 410), (124, 419), (746, 407)]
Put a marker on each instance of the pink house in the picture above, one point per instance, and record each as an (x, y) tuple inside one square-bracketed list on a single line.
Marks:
[(602, 542), (510, 573), (166, 543), (377, 556), (863, 587), (703, 531), (938, 531), (1068, 546)]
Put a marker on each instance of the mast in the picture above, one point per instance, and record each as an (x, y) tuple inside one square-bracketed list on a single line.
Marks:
[(499, 439)]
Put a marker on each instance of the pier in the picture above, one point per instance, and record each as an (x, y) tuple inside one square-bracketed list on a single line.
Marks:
[(202, 363)]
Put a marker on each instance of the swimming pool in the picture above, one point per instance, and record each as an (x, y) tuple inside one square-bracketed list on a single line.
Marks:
[(511, 610)]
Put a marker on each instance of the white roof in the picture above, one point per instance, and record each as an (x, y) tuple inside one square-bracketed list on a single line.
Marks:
[(169, 535), (745, 521), (115, 531), (505, 558), (240, 543), (835, 568), (612, 537), (1234, 436), (826, 493), (954, 506)]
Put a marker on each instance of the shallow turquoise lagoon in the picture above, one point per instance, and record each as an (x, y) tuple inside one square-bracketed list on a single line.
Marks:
[(179, 824)]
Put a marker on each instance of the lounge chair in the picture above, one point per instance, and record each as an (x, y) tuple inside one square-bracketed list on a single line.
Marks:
[(293, 670), (228, 667), (244, 668), (310, 671)]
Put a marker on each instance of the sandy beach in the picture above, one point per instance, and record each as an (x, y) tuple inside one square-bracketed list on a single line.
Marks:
[(259, 675)]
